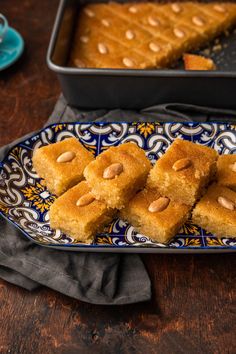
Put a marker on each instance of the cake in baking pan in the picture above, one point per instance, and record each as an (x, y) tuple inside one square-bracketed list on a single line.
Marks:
[(146, 35)]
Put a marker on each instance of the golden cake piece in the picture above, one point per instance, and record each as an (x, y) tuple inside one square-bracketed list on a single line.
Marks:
[(146, 35), (216, 211), (198, 62), (117, 174), (79, 215), (226, 171), (184, 171), (155, 216), (61, 164), (223, 14)]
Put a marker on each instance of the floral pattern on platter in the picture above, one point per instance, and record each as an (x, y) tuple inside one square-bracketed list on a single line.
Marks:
[(25, 201)]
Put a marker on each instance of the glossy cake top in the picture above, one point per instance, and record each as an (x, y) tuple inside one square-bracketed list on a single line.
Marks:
[(145, 35)]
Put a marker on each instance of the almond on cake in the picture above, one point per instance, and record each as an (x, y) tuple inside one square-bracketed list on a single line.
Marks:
[(154, 215), (216, 211), (184, 171), (79, 214), (117, 174), (61, 164)]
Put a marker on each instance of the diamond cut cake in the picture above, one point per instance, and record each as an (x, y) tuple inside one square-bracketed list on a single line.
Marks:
[(146, 35)]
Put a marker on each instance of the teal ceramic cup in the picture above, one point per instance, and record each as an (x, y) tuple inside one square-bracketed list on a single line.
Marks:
[(3, 27)]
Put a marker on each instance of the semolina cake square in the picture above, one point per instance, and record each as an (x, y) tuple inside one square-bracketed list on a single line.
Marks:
[(61, 164), (78, 214), (226, 171), (216, 211), (184, 171), (154, 216), (117, 174)]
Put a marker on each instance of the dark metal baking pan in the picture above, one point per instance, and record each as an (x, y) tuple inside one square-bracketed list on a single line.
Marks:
[(136, 89)]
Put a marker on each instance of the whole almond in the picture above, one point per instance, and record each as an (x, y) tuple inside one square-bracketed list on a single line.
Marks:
[(233, 167), (79, 63), (84, 39), (86, 199), (66, 156), (198, 21), (129, 34), (113, 170), (220, 8), (102, 48), (159, 204), (181, 164), (89, 12), (226, 203), (105, 22), (154, 47), (176, 8), (133, 9), (128, 62), (179, 33), (153, 21)]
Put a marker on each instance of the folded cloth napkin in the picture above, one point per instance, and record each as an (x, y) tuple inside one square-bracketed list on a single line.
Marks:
[(95, 278)]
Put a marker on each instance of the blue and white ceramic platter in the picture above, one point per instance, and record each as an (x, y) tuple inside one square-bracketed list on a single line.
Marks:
[(25, 201)]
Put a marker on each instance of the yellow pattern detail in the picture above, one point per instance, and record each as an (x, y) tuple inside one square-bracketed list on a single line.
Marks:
[(59, 127), (16, 152), (104, 240), (4, 208), (214, 242), (34, 194), (91, 148), (190, 228), (192, 242), (146, 129)]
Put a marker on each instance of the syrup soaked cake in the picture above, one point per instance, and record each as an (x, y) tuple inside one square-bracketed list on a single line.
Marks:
[(216, 211), (155, 216), (61, 164), (226, 171), (117, 174), (184, 171), (78, 214), (146, 35)]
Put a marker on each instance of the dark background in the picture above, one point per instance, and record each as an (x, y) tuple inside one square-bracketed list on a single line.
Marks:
[(193, 304)]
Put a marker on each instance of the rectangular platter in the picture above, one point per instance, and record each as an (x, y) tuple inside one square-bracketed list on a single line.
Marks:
[(25, 201)]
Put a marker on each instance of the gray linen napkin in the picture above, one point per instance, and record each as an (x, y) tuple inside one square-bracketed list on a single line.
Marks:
[(95, 278)]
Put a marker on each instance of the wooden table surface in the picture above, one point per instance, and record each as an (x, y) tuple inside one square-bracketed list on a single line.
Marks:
[(193, 304)]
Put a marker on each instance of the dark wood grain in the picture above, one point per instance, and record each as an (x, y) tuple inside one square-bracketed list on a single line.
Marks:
[(193, 305), (28, 89)]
